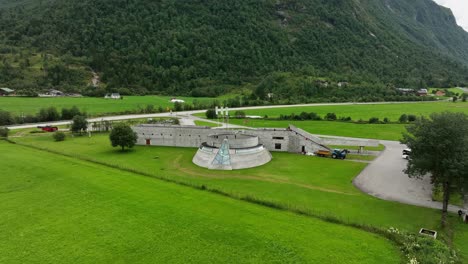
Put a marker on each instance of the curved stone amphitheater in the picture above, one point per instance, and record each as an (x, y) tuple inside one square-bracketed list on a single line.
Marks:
[(231, 151)]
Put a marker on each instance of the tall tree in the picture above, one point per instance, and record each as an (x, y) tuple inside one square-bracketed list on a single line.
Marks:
[(79, 124), (122, 135), (439, 146)]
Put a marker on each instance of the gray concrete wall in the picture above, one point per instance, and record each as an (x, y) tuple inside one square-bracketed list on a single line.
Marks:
[(274, 139), (175, 136), (235, 141)]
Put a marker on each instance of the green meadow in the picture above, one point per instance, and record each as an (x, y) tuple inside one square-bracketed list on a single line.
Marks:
[(205, 123), (92, 105), (335, 128), (57, 209), (392, 111), (321, 187)]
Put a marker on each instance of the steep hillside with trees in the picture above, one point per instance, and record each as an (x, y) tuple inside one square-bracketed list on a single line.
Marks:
[(205, 48)]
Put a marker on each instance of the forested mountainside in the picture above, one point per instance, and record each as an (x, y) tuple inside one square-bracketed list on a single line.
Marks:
[(206, 47)]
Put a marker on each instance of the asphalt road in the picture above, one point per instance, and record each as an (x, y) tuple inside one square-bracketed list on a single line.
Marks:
[(384, 178)]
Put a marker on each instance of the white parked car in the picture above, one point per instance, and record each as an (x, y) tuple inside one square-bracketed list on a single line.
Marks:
[(406, 153)]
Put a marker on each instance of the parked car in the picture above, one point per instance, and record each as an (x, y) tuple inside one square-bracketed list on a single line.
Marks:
[(406, 154), (48, 128), (334, 154)]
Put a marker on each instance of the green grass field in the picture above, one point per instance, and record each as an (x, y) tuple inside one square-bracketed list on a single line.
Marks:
[(93, 106), (373, 131), (312, 183), (317, 185), (205, 123), (391, 131), (364, 112), (60, 210)]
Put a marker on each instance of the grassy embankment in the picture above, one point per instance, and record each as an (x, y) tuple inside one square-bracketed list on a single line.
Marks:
[(316, 185), (62, 210)]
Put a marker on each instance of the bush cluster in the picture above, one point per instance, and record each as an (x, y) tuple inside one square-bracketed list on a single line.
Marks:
[(405, 118), (4, 132), (59, 136), (421, 249)]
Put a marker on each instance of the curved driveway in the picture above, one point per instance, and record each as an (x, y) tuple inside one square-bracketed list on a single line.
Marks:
[(384, 178)]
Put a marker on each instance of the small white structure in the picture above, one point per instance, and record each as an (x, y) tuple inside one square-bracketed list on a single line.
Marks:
[(175, 100), (6, 91), (52, 93), (113, 96), (429, 233)]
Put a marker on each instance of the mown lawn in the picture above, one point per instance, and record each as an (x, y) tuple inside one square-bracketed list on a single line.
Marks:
[(335, 128), (323, 186), (56, 209), (93, 106), (364, 112), (205, 123)]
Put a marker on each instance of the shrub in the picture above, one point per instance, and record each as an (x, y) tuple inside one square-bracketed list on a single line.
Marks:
[(79, 124), (403, 118), (68, 114), (239, 114), (386, 120), (304, 116), (48, 114), (149, 109), (4, 132), (6, 118), (330, 116), (464, 96), (420, 249), (178, 107), (314, 116), (211, 114), (374, 120), (59, 136), (412, 118)]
